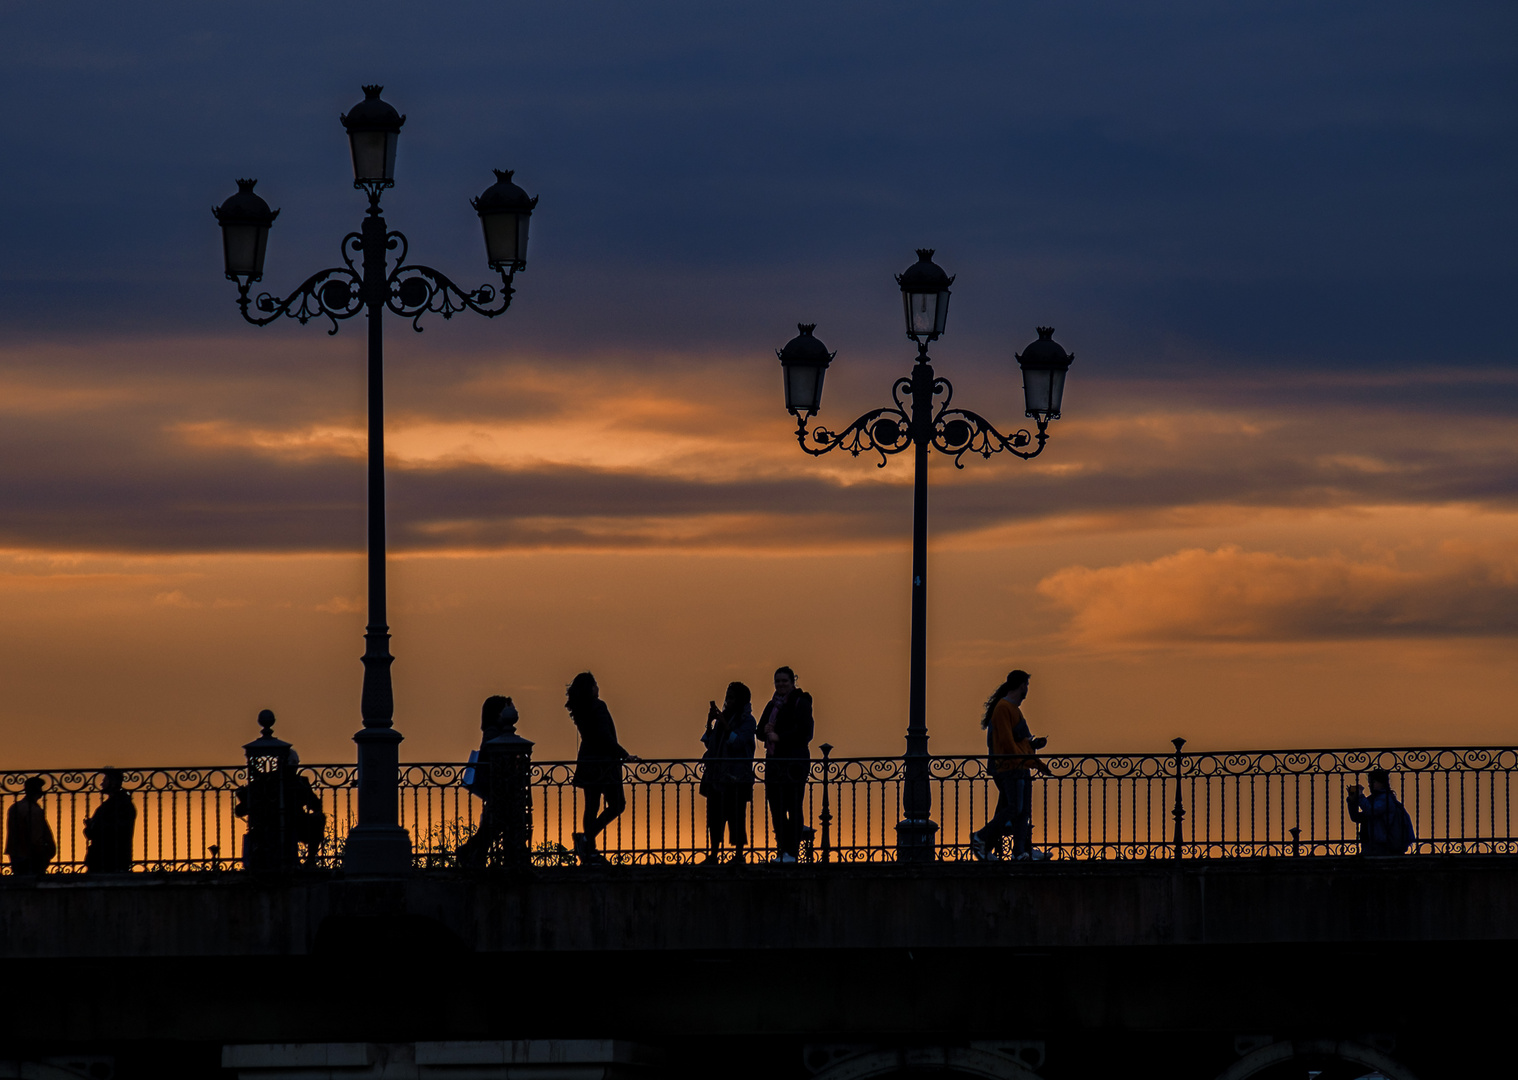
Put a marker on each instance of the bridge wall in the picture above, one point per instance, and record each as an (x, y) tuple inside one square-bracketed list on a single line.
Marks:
[(1099, 962)]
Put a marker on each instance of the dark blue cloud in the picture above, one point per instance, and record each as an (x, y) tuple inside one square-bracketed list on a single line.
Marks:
[(1294, 183)]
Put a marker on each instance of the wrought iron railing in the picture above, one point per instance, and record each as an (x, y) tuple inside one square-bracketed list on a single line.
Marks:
[(1230, 804)]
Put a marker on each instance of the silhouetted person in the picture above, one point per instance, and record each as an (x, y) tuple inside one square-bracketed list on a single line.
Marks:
[(1385, 828), (786, 727), (497, 716), (28, 838), (1011, 754), (727, 778), (307, 818), (598, 765), (108, 831), (281, 808)]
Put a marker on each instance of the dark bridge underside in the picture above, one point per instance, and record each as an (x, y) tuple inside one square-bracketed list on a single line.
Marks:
[(1109, 965)]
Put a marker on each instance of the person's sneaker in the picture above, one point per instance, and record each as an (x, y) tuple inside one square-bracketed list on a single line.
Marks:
[(787, 857), (711, 857), (977, 847), (1036, 855)]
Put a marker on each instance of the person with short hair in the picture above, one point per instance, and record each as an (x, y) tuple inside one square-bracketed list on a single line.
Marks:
[(1385, 828), (1011, 754), (108, 831), (786, 726), (727, 777), (598, 765), (29, 839)]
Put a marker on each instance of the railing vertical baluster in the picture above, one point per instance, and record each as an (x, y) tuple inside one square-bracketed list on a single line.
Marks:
[(1179, 812), (826, 817)]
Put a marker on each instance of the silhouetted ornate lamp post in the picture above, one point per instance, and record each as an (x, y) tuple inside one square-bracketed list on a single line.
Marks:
[(913, 423), (366, 283)]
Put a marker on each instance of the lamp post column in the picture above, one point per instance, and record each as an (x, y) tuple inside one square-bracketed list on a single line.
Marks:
[(377, 844), (914, 834)]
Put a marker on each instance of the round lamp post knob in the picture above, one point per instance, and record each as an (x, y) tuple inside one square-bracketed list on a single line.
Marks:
[(505, 211), (374, 129), (245, 219), (803, 363), (1044, 365), (925, 297)]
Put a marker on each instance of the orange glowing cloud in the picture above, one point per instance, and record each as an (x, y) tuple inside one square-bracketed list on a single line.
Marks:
[(1233, 595)]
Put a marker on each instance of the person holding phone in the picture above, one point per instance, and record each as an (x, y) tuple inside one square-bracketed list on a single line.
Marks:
[(727, 777)]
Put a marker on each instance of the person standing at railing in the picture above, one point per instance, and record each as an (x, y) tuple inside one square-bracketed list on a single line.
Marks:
[(29, 842), (598, 765), (1012, 756), (727, 775), (108, 831), (1385, 828), (786, 727)]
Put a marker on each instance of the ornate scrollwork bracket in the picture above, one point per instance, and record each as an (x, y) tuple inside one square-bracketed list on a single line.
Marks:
[(340, 292)]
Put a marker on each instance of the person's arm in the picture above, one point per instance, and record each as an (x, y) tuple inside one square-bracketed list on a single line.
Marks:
[(1356, 803), (805, 727)]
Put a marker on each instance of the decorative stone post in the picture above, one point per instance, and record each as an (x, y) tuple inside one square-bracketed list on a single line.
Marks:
[(270, 841), (508, 759)]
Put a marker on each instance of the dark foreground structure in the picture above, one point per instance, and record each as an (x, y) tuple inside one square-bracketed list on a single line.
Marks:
[(1271, 967)]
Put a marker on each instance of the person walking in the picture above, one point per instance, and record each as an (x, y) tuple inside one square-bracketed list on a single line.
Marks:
[(1012, 753), (598, 765), (727, 778), (786, 727), (498, 716), (29, 842), (1385, 827), (108, 831)]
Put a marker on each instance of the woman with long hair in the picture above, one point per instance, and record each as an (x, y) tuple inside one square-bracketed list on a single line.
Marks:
[(1011, 754), (598, 765), (727, 777)]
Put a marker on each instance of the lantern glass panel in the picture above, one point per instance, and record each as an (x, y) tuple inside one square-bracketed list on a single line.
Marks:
[(803, 388), (373, 155), (1036, 390), (926, 313), (243, 246), (505, 238)]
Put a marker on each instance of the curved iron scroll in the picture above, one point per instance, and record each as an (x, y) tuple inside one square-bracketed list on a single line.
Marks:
[(410, 291), (955, 432)]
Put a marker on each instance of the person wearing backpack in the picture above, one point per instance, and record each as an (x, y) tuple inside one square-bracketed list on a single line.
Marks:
[(1385, 828)]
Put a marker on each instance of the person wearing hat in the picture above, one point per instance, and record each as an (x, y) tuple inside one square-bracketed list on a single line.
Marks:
[(29, 842)]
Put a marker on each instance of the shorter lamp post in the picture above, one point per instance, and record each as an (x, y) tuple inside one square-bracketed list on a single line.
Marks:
[(368, 283), (268, 842), (918, 421)]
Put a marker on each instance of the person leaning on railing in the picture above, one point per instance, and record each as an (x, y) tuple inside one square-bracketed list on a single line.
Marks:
[(1013, 752), (29, 839)]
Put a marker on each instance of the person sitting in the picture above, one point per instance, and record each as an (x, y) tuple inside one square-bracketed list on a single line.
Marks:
[(1385, 828)]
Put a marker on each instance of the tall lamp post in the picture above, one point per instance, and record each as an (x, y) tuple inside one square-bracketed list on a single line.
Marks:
[(371, 280), (919, 420)]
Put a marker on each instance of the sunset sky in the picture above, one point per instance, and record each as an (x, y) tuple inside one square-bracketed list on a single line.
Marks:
[(1281, 509)]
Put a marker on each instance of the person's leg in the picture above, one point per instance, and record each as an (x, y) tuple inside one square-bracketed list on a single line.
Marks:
[(737, 808), (996, 828), (716, 818), (616, 802), (1022, 812), (588, 819), (795, 798)]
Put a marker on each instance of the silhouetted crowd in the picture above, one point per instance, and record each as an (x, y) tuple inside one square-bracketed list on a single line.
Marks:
[(286, 823)]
